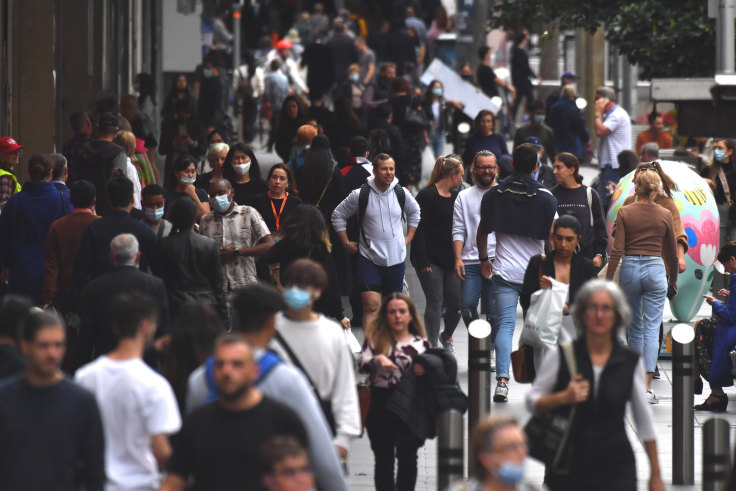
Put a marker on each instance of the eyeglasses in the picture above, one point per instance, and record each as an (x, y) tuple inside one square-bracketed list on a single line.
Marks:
[(512, 447), (603, 309), (486, 168)]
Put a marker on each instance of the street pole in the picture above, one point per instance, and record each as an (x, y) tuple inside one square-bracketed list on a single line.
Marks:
[(450, 449), (479, 372), (237, 13), (716, 454), (683, 433)]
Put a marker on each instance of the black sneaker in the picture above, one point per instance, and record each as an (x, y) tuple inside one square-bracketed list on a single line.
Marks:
[(656, 373)]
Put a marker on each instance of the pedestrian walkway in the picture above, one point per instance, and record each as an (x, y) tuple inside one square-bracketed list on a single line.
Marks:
[(361, 458)]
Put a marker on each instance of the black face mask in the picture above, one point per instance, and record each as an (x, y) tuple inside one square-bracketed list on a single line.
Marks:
[(467, 78)]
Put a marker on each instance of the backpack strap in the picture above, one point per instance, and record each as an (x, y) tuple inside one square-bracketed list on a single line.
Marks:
[(266, 364), (209, 373), (363, 196), (590, 203)]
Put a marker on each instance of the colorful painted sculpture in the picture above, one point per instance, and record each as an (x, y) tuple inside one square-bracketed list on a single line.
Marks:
[(699, 215)]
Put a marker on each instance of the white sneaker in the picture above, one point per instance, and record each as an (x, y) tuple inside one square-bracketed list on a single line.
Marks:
[(493, 358), (502, 393), (652, 397)]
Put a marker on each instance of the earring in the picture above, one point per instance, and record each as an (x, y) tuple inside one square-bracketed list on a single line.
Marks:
[(577, 249)]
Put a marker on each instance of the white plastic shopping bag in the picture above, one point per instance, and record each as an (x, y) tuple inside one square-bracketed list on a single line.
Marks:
[(544, 317)]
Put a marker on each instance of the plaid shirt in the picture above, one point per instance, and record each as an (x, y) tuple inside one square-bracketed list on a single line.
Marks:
[(242, 227), (7, 188)]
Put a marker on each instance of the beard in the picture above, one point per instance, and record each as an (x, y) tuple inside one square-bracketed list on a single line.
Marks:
[(236, 393), (485, 180)]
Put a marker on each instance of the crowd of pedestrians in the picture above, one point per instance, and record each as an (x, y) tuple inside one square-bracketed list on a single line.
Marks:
[(200, 314)]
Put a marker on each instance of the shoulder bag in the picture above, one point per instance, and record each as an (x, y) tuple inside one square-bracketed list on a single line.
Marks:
[(548, 433)]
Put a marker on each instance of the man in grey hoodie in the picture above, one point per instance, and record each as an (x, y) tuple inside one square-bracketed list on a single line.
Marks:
[(381, 246)]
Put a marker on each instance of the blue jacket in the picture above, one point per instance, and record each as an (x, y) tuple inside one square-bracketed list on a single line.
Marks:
[(567, 122), (24, 226)]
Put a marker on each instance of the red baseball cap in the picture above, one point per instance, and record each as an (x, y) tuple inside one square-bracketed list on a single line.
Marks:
[(8, 144), (283, 44)]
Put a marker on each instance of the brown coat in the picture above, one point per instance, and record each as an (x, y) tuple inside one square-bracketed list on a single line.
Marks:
[(63, 241)]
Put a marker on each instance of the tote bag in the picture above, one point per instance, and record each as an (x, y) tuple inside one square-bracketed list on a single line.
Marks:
[(544, 317)]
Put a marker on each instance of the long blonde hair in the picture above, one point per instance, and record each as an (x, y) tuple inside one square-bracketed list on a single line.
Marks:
[(378, 332), (648, 184), (443, 168)]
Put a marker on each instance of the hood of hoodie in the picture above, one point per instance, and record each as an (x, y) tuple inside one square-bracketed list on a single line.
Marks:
[(371, 181), (100, 150)]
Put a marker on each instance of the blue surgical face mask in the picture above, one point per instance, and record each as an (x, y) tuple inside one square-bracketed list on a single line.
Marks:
[(719, 155), (509, 473), (220, 203), (539, 118), (207, 72), (187, 180), (437, 91), (153, 214), (354, 77), (296, 298)]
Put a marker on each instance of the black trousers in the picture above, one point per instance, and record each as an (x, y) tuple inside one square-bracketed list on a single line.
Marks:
[(390, 438)]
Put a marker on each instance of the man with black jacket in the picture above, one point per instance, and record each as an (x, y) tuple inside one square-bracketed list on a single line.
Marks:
[(101, 158)]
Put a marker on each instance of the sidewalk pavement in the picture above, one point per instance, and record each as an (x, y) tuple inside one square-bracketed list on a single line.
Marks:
[(361, 458)]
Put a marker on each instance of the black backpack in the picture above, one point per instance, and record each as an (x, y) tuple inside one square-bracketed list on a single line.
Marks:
[(365, 192)]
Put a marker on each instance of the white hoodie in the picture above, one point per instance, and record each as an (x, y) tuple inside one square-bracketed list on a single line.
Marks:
[(384, 233)]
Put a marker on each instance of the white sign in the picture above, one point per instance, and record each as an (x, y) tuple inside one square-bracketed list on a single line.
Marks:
[(457, 89)]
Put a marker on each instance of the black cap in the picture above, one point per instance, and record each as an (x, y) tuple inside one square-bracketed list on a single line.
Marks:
[(108, 120)]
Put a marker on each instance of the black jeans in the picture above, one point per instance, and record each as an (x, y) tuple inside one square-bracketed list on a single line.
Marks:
[(389, 436)]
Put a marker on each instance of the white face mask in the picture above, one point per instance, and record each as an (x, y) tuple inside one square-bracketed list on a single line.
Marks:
[(241, 169)]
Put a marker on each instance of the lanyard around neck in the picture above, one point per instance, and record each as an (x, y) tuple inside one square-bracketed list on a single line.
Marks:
[(273, 208)]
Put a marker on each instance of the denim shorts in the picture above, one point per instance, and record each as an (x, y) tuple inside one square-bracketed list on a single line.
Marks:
[(380, 279)]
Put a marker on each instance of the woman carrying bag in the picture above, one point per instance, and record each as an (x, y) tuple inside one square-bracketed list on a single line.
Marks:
[(392, 341), (598, 454), (565, 265)]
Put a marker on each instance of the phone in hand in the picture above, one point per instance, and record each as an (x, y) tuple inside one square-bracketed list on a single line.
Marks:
[(671, 292)]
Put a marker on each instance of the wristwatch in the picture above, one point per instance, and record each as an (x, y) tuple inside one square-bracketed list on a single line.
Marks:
[(483, 259), (237, 251)]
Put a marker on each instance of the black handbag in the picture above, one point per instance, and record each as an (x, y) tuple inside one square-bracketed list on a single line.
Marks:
[(415, 117), (548, 433)]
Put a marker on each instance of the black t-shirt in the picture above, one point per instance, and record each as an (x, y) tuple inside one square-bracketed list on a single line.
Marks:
[(222, 449), (487, 80), (50, 438), (433, 240), (245, 192), (171, 195), (575, 202), (262, 204)]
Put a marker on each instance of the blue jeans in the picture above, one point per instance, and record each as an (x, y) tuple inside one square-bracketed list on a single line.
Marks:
[(506, 297), (472, 287), (437, 142), (644, 281)]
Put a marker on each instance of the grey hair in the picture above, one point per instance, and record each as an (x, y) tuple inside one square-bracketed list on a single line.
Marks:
[(483, 153), (124, 248), (568, 92), (58, 159), (620, 305), (650, 149), (606, 92), (227, 183), (216, 149)]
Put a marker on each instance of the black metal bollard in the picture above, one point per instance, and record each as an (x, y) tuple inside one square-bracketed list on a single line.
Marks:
[(683, 432), (479, 372), (450, 449), (716, 454)]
